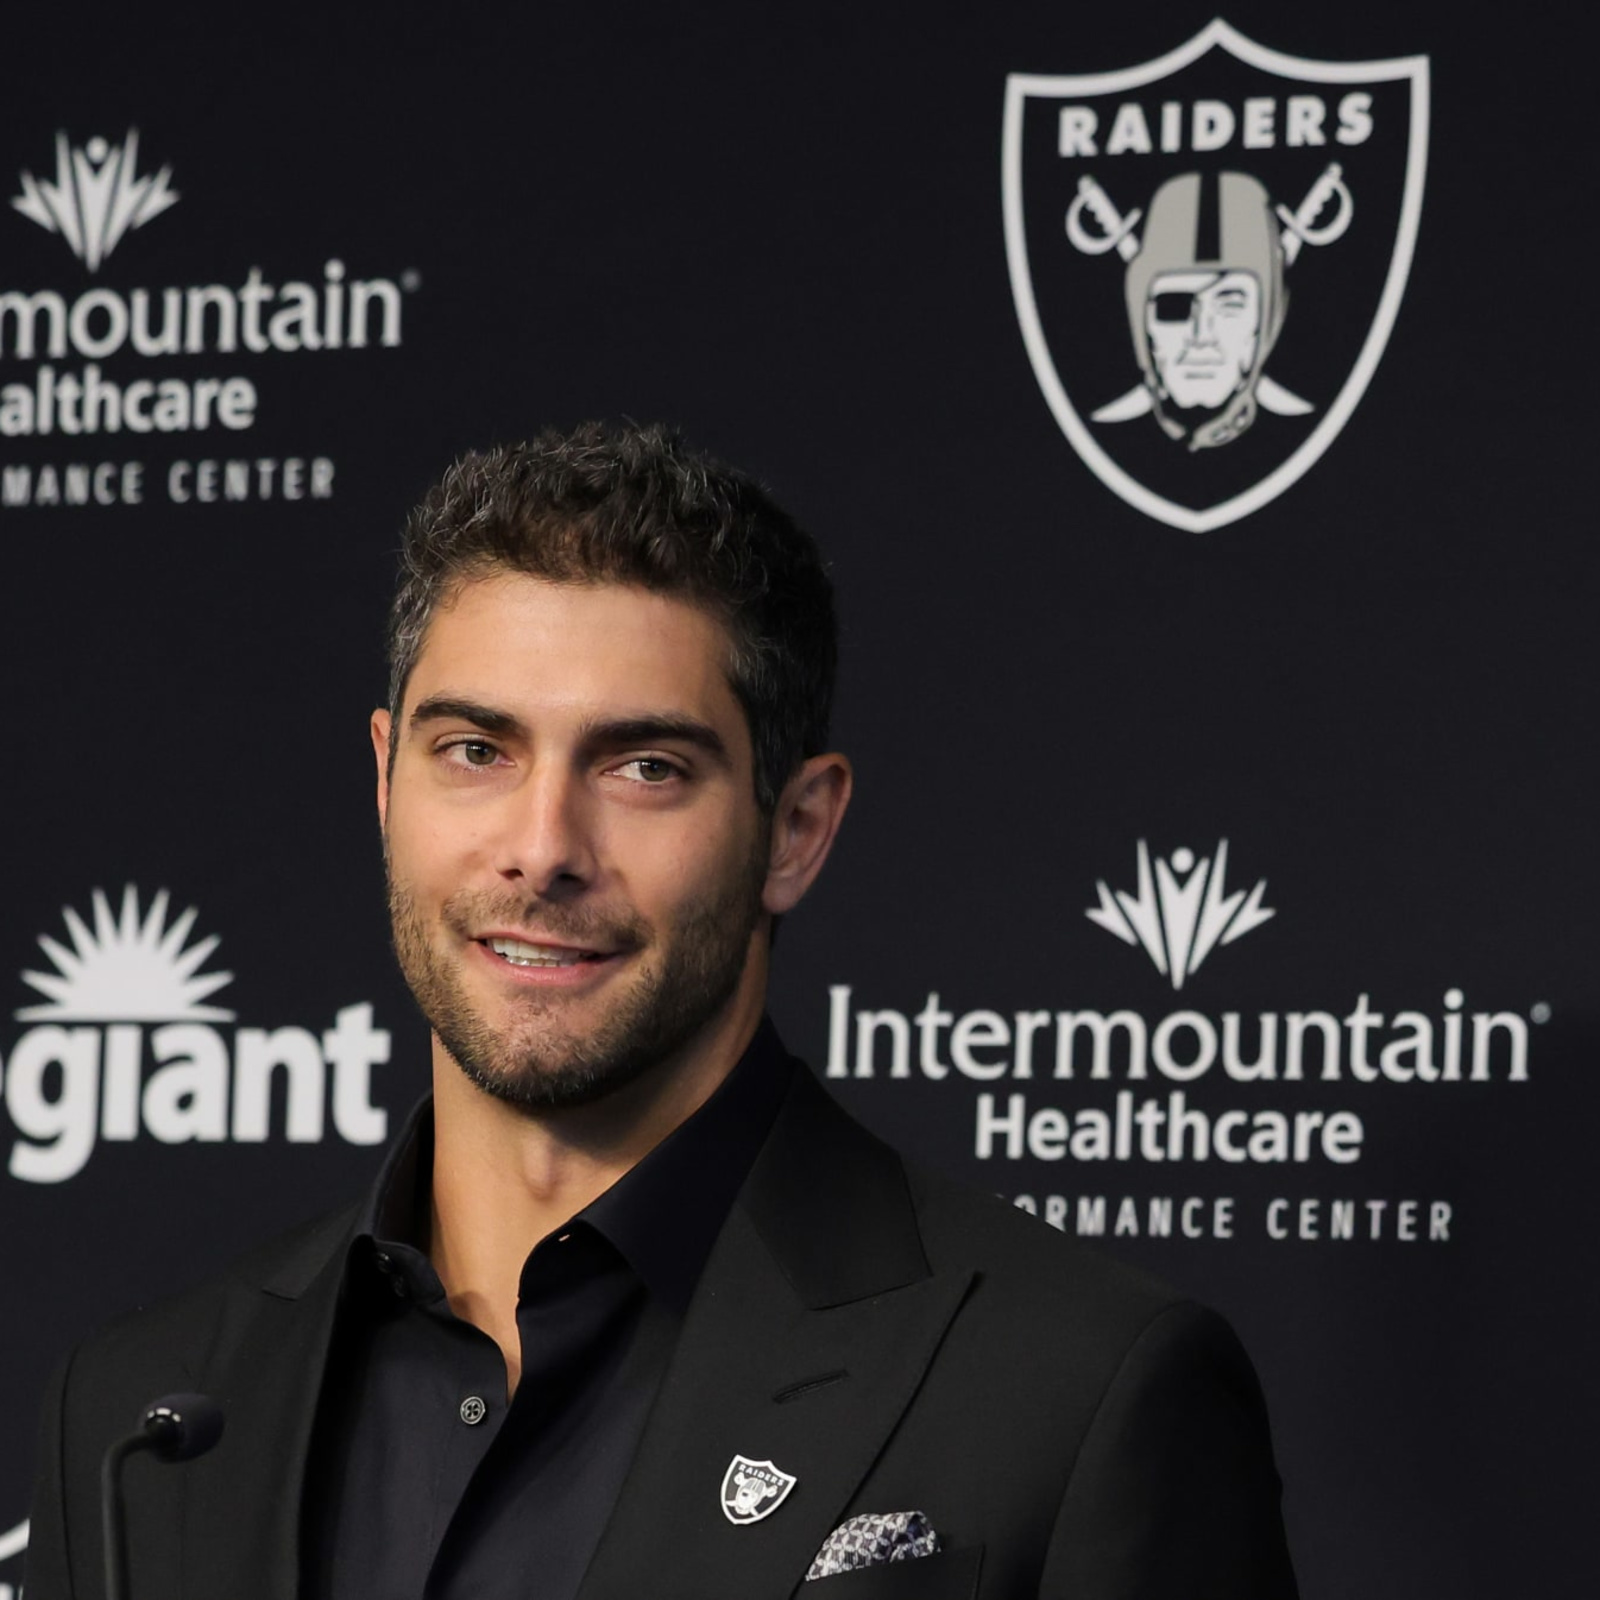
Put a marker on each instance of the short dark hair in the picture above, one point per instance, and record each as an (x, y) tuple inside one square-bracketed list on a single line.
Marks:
[(636, 505)]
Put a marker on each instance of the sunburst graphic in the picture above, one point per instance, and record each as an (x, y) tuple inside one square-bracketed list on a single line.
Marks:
[(128, 969)]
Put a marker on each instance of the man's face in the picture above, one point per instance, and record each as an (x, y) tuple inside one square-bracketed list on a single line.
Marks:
[(575, 854), (1203, 328)]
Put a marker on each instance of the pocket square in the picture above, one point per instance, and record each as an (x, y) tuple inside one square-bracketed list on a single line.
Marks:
[(870, 1540)]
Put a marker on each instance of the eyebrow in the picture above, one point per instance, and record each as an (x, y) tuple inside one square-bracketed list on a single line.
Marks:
[(658, 730), (611, 732), (448, 708)]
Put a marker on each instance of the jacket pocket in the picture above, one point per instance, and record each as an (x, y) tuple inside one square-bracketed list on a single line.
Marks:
[(949, 1575)]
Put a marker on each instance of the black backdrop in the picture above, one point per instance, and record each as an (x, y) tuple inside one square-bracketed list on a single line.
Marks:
[(786, 235)]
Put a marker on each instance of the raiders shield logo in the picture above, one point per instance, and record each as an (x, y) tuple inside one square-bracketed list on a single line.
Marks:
[(1207, 253), (752, 1490)]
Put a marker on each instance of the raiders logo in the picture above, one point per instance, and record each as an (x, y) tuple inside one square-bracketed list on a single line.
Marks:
[(1207, 254), (752, 1490)]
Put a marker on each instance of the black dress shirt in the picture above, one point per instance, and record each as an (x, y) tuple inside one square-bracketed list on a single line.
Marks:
[(424, 1481)]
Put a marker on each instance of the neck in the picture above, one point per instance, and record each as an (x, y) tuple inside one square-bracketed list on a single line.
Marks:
[(504, 1177)]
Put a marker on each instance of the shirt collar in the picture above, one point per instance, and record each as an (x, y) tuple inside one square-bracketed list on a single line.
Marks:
[(662, 1216)]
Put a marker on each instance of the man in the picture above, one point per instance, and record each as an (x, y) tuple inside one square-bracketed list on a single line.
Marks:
[(634, 1309)]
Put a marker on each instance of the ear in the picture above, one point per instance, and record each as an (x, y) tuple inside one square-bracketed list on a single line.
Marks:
[(381, 728), (804, 823)]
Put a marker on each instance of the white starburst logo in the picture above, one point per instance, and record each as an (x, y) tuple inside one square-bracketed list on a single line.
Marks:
[(1180, 914), (128, 968), (14, 1542), (97, 196)]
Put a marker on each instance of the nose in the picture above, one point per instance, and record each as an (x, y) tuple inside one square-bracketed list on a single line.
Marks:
[(546, 844)]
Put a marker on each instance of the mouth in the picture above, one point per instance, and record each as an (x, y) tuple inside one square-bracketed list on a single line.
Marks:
[(522, 953)]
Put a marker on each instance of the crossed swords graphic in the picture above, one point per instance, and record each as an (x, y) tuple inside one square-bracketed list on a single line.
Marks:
[(1300, 228)]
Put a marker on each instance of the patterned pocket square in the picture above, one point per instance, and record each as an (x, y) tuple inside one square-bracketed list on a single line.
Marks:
[(870, 1540)]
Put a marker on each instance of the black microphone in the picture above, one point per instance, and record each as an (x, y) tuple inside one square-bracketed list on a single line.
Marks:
[(177, 1427)]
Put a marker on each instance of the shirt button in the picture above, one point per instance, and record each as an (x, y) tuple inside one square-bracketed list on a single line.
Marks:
[(392, 1274), (473, 1410)]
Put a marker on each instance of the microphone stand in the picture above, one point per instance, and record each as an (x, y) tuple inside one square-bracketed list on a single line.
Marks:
[(178, 1427), (112, 1518)]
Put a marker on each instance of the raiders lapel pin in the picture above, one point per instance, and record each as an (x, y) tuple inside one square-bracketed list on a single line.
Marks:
[(752, 1490)]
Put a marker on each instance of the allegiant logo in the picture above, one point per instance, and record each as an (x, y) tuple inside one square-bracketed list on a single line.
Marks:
[(127, 1043)]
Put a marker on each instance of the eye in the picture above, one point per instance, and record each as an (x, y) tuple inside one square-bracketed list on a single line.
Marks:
[(470, 753), (649, 769)]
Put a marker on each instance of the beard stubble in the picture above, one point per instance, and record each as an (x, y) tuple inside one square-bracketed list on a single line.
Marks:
[(534, 1063)]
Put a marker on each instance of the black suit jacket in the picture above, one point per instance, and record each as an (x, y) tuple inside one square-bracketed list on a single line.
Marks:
[(1072, 1429)]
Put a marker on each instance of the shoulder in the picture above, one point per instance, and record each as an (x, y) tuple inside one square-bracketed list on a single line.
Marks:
[(1034, 1279), (1130, 1367), (169, 1338), (1095, 1333)]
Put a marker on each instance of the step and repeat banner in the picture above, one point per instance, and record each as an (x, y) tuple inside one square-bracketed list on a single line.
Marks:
[(1196, 413)]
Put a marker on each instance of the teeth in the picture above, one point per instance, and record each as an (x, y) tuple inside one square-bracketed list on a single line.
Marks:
[(534, 955)]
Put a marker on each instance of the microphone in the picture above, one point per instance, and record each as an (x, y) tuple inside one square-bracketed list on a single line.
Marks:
[(177, 1427)]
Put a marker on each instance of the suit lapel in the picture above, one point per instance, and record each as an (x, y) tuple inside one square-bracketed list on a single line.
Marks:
[(814, 1322), (265, 1367)]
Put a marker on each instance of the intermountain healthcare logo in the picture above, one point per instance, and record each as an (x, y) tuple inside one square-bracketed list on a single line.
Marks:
[(1185, 1092), (97, 196), (127, 987), (86, 368), (1180, 914), (1157, 220)]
